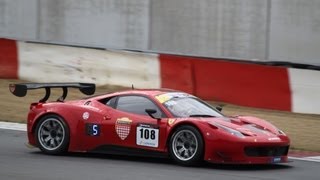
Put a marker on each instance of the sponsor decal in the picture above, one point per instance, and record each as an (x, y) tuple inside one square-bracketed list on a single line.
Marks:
[(85, 115), (123, 126), (171, 121), (92, 129), (147, 135), (162, 98), (276, 160)]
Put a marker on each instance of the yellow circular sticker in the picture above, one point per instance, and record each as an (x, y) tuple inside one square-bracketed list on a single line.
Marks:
[(163, 98), (171, 121)]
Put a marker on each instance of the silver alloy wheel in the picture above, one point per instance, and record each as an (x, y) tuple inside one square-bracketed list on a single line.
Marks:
[(185, 145), (51, 134)]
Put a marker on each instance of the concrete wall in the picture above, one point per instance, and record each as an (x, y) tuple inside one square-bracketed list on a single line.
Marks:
[(264, 30), (104, 23), (18, 18), (295, 31), (98, 23), (212, 28)]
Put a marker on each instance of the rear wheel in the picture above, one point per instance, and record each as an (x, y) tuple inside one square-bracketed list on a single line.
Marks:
[(186, 145), (52, 135)]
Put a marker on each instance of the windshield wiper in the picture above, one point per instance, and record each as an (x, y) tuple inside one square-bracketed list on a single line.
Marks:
[(201, 115)]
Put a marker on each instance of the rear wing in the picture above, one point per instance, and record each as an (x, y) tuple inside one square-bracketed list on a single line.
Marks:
[(20, 90)]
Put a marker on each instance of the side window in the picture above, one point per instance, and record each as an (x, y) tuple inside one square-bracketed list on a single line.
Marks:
[(137, 105), (110, 101)]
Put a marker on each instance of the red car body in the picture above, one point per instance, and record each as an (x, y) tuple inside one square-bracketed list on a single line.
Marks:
[(95, 126)]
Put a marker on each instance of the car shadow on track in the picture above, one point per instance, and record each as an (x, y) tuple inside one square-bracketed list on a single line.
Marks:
[(246, 167), (168, 161)]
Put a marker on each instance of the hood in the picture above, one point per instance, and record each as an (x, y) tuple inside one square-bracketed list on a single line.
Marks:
[(247, 125)]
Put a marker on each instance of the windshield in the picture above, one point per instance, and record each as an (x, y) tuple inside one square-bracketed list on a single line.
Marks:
[(190, 106)]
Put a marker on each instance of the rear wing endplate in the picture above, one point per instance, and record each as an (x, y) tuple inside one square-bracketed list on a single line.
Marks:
[(20, 90)]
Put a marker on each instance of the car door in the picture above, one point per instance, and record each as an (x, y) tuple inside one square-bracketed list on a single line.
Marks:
[(133, 127)]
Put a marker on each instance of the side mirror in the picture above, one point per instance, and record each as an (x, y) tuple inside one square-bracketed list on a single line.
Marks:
[(219, 108), (151, 113)]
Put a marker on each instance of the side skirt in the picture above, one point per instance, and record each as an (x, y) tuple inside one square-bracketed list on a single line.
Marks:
[(118, 150)]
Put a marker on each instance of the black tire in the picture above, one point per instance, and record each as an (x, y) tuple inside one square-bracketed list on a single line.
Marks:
[(186, 146), (52, 135)]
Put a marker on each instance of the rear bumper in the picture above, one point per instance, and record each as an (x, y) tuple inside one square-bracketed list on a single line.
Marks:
[(31, 138)]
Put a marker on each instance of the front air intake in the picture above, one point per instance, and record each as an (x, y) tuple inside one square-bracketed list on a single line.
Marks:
[(266, 151)]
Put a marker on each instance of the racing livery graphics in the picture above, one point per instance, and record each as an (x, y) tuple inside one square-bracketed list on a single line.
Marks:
[(156, 121), (147, 135), (123, 126)]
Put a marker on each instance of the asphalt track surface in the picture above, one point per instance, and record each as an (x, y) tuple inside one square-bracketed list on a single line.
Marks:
[(19, 162)]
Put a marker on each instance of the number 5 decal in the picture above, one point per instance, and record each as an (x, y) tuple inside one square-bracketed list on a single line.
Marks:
[(95, 130), (92, 129), (147, 135)]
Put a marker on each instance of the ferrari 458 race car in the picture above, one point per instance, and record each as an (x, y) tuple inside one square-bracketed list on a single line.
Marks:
[(149, 121)]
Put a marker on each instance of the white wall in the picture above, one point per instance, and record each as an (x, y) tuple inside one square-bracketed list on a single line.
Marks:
[(51, 63), (305, 88)]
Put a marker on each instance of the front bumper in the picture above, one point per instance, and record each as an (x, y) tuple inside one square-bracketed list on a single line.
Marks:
[(247, 152)]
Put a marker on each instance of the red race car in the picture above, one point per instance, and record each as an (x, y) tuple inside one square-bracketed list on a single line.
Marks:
[(149, 122)]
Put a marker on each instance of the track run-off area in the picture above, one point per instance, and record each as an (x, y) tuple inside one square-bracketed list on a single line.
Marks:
[(20, 162)]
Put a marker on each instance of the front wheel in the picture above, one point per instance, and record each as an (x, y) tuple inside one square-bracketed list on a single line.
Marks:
[(52, 135), (186, 145)]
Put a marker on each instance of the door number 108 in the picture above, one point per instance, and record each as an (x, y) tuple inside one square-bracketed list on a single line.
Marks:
[(147, 134)]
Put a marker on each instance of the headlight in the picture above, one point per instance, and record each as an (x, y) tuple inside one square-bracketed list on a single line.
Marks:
[(229, 130)]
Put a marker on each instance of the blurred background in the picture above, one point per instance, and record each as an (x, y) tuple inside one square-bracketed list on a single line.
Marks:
[(258, 57)]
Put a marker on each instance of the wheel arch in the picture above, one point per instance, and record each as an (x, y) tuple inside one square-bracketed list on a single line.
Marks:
[(38, 118), (186, 123), (69, 122)]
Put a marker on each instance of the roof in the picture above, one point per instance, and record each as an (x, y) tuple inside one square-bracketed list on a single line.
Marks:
[(148, 92)]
